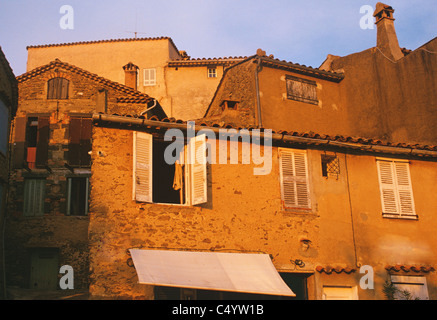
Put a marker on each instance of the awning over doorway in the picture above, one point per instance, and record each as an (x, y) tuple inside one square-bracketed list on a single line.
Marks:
[(236, 272)]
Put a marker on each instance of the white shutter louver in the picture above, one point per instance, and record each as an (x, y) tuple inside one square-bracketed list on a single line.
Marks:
[(142, 176), (294, 179), (395, 187), (197, 161)]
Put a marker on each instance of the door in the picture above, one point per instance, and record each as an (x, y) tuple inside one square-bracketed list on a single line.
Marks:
[(44, 269)]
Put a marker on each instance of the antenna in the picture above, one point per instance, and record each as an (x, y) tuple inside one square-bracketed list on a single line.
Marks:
[(136, 27)]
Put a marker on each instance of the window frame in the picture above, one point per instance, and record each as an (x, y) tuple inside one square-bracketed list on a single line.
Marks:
[(399, 190), (295, 180), (147, 81), (192, 170), (210, 74), (69, 195)]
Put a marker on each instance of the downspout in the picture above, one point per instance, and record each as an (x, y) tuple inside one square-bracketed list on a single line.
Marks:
[(258, 102), (147, 110)]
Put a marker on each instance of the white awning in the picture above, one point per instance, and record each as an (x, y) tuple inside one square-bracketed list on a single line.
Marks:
[(236, 272)]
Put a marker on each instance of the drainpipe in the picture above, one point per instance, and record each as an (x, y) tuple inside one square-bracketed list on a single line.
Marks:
[(258, 102), (147, 110)]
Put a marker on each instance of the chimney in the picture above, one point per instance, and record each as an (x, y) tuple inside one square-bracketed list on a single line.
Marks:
[(387, 41), (131, 73)]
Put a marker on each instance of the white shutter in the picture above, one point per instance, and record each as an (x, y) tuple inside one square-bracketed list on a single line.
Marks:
[(142, 175), (395, 187), (405, 192), (387, 186), (294, 179), (197, 162)]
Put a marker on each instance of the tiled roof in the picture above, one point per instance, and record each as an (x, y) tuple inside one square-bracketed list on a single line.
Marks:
[(408, 268), (103, 41), (330, 270), (305, 137), (226, 61), (134, 96)]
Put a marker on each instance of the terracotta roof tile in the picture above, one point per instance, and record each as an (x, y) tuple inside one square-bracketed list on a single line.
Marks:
[(330, 270), (102, 41), (408, 268), (133, 96)]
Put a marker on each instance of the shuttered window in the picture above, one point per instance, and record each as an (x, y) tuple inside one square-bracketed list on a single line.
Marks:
[(294, 179), (149, 77), (302, 90), (80, 130), (396, 190), (57, 88), (34, 195), (191, 180)]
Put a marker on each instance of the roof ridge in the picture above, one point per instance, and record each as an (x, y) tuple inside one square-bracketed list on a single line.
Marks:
[(102, 41), (83, 72)]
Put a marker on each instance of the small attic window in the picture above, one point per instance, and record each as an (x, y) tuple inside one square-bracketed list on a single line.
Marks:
[(302, 90), (57, 88), (230, 105)]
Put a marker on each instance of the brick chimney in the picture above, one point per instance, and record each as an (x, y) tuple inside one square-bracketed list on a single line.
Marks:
[(387, 41), (131, 73)]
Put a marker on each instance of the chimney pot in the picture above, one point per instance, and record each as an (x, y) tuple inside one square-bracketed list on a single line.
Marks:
[(131, 74)]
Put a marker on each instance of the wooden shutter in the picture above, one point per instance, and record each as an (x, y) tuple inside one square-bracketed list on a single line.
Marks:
[(142, 175), (405, 192), (57, 88), (19, 142), (294, 179), (395, 187), (42, 146), (85, 141), (74, 144), (34, 194), (198, 173)]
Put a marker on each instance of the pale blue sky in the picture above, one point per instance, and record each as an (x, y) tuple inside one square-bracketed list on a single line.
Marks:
[(300, 31)]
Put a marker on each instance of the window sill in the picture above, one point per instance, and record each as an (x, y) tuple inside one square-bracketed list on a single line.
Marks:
[(299, 212), (401, 217)]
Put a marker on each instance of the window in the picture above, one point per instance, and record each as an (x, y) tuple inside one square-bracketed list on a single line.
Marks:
[(80, 131), (395, 188), (212, 72), (294, 179), (340, 293), (330, 166), (37, 141), (57, 88), (158, 181), (78, 194), (229, 104), (149, 77), (4, 125), (34, 195), (302, 90), (410, 288)]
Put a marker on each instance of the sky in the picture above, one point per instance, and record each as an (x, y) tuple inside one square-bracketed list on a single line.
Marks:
[(299, 31)]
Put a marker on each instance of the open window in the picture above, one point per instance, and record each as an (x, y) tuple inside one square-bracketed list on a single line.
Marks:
[(78, 194), (37, 141), (155, 180)]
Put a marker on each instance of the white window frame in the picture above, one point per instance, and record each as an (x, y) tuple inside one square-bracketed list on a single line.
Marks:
[(149, 77), (396, 193), (417, 283), (212, 72), (34, 197), (195, 170), (340, 293), (295, 182)]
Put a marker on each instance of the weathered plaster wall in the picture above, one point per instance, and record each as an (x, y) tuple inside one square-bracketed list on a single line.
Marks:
[(244, 213), (389, 100)]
